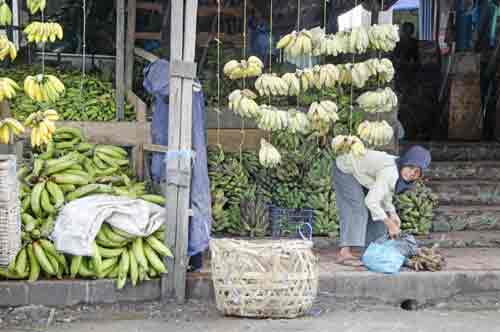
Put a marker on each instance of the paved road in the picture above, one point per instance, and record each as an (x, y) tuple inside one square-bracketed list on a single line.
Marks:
[(338, 321)]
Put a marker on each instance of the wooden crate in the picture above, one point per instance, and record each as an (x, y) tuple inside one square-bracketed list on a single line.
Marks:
[(465, 121)]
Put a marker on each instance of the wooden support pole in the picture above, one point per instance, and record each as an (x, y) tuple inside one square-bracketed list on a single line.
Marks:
[(130, 44), (120, 59)]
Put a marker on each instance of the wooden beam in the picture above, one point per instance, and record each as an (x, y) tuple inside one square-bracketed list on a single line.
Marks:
[(130, 43), (140, 107), (142, 53), (120, 59), (151, 6), (148, 35)]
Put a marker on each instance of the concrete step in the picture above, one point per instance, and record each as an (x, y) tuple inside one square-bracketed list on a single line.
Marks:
[(459, 151), (464, 170), (466, 192), (450, 218)]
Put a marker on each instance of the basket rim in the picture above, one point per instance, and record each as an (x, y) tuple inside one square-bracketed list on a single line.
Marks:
[(282, 242)]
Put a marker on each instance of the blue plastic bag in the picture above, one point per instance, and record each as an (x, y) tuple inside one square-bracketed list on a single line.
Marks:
[(383, 257)]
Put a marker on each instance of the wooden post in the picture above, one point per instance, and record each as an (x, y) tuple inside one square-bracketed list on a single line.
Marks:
[(120, 59), (182, 74), (130, 44)]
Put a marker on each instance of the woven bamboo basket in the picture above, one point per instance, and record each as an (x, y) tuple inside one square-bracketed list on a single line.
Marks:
[(10, 223), (264, 278)]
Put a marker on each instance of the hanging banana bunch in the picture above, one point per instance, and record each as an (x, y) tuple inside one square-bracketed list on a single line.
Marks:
[(298, 122), (42, 32), (272, 119), (269, 156), (359, 40), (271, 85), (5, 13), (384, 37), (293, 84), (36, 5), (8, 126), (296, 44), (379, 101), (7, 48), (42, 126), (43, 87), (326, 76), (243, 69), (242, 103), (306, 78), (322, 115), (378, 133), (348, 144), (333, 45), (7, 88)]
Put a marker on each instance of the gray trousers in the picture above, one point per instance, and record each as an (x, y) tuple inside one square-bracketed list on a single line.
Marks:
[(357, 229)]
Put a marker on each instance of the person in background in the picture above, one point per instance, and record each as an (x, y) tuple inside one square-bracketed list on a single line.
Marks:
[(407, 49), (364, 189)]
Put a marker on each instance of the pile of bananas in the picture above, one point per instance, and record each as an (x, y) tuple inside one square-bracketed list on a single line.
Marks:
[(296, 43), (298, 122), (322, 116), (97, 103), (379, 101), (384, 37), (427, 260), (376, 133), (5, 13), (342, 144), (119, 255), (43, 87), (271, 85), (243, 69), (36, 5), (42, 32), (42, 125), (269, 156), (271, 119), (7, 48), (242, 102), (416, 209), (9, 126), (7, 88)]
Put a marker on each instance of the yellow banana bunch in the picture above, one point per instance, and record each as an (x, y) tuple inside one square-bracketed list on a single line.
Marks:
[(7, 88), (377, 133), (42, 126), (334, 45), (43, 87), (381, 100), (242, 69), (293, 83), (269, 156), (271, 85), (7, 126), (348, 144), (271, 119), (384, 37), (322, 115), (296, 44), (36, 5), (5, 13), (7, 48), (298, 122), (242, 103), (306, 78), (42, 32), (326, 76)]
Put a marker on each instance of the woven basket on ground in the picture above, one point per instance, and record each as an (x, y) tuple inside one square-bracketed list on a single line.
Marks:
[(10, 224), (264, 278)]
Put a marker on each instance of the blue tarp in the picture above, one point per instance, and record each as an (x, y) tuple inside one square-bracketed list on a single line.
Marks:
[(156, 82), (406, 5)]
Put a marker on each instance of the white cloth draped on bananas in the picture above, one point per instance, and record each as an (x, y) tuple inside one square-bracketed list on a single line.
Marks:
[(348, 144), (243, 69), (269, 156), (7, 48), (5, 13), (379, 101), (322, 115), (376, 133)]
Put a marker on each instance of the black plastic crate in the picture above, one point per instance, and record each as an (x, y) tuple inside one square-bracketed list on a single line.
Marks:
[(291, 223)]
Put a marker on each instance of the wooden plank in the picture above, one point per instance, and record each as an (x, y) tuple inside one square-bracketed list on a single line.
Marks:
[(120, 59), (176, 47), (142, 53), (139, 106), (231, 139), (186, 125), (130, 43), (212, 11), (465, 120), (151, 6), (148, 35)]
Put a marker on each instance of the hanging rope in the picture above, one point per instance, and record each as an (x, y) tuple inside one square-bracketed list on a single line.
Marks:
[(219, 145), (379, 53), (298, 30), (242, 131), (351, 106), (270, 52), (43, 45), (84, 51)]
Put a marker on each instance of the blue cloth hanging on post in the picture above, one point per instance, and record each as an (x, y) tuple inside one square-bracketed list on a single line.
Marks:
[(156, 82)]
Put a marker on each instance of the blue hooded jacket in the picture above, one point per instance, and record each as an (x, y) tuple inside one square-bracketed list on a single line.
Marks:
[(415, 156)]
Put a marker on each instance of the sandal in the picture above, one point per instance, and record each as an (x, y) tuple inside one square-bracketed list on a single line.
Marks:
[(349, 261)]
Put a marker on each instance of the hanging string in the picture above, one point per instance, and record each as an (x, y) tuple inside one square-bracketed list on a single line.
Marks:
[(84, 51), (270, 51), (379, 54), (298, 29), (242, 131), (351, 107), (219, 145), (43, 46)]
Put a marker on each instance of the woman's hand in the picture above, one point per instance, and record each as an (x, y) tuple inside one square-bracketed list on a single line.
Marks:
[(392, 228), (395, 218)]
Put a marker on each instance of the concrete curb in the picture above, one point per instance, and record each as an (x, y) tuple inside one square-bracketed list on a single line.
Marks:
[(424, 287)]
